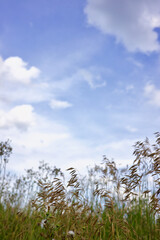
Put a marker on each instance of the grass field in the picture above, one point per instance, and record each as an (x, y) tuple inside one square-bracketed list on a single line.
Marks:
[(107, 203)]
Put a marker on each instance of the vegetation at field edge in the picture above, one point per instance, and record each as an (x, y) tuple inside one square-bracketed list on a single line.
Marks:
[(108, 203)]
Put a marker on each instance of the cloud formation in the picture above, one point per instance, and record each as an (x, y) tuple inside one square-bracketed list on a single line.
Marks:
[(50, 141), (92, 76), (20, 117), (14, 69), (17, 85), (153, 94), (131, 22), (93, 80), (57, 104)]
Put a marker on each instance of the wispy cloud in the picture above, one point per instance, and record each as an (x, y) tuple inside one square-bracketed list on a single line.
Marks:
[(131, 129), (135, 62), (129, 87), (131, 22), (90, 76), (120, 150), (57, 104), (50, 141), (153, 94), (93, 80)]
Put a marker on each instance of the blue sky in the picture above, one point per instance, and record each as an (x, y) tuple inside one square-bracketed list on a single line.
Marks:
[(78, 79)]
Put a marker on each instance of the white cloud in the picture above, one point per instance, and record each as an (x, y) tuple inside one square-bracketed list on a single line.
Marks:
[(54, 143), (131, 22), (20, 117), (129, 87), (50, 141), (91, 76), (135, 62), (131, 129), (32, 93), (153, 94), (14, 69), (93, 80), (57, 104), (120, 150), (16, 83)]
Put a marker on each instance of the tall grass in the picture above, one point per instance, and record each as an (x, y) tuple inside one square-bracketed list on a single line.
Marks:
[(107, 203)]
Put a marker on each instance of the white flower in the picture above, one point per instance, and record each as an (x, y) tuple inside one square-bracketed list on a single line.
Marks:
[(63, 212), (71, 233), (43, 222)]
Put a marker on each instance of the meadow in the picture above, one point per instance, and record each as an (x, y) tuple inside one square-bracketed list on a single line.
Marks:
[(107, 203)]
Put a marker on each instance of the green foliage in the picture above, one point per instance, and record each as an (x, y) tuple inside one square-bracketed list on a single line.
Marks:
[(108, 203)]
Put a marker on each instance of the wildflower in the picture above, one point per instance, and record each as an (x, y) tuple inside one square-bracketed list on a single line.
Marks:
[(43, 222), (71, 233), (63, 212)]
